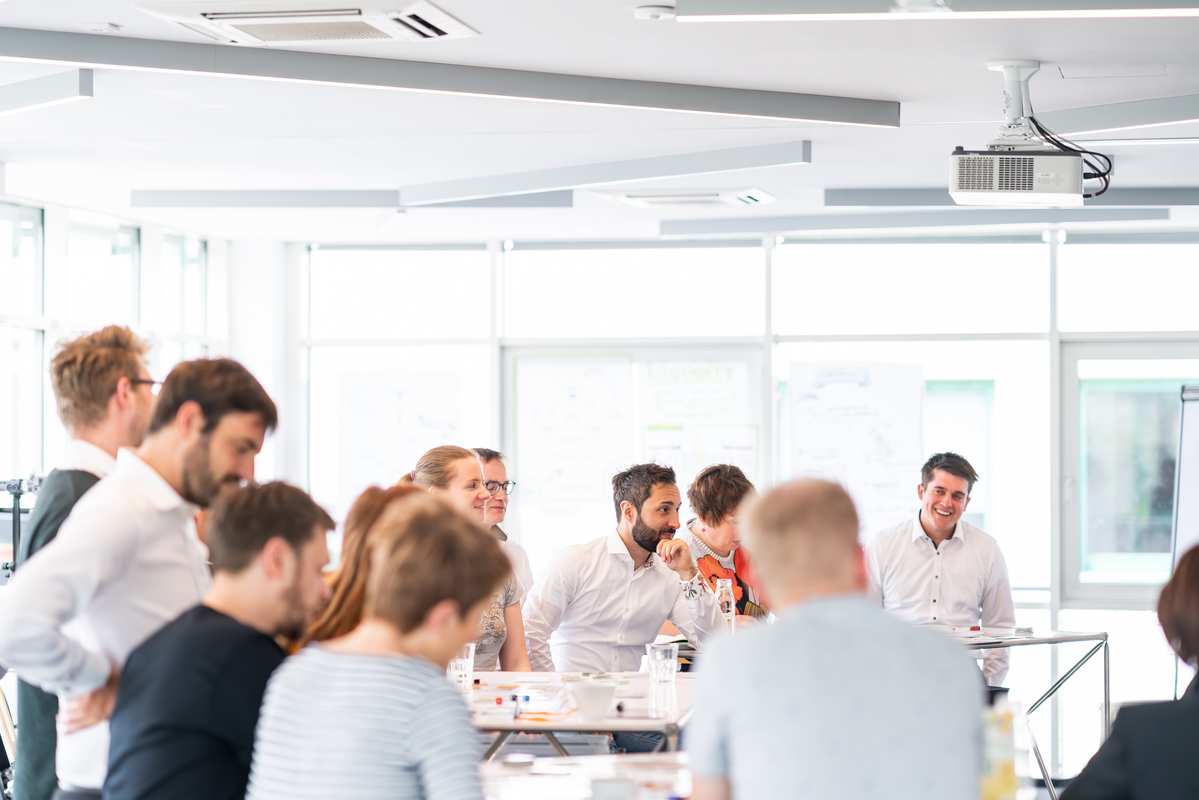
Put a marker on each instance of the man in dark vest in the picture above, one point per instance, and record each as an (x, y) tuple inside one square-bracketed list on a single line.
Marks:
[(105, 397)]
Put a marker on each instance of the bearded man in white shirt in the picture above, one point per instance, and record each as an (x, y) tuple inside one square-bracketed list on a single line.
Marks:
[(938, 569), (127, 560), (603, 601)]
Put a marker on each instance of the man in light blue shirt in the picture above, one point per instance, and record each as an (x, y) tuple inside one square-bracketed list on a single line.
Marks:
[(837, 699)]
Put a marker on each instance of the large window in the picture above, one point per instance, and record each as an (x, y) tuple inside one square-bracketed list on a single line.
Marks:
[(101, 276), (90, 272), (399, 294), (20, 262), (1128, 287), (1121, 417), (858, 289), (21, 312), (634, 292)]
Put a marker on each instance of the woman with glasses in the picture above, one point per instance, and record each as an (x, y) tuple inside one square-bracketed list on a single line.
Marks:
[(495, 476), (456, 474)]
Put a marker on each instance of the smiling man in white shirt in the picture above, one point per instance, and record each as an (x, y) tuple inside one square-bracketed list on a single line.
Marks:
[(603, 601), (938, 569), (127, 559)]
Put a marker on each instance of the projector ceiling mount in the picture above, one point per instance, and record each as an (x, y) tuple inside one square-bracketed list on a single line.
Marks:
[(1026, 164)]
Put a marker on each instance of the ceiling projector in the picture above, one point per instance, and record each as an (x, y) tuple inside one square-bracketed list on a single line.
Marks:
[(1026, 165), (1040, 178)]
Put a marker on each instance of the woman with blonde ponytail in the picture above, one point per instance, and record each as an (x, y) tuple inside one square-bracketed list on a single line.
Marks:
[(456, 475)]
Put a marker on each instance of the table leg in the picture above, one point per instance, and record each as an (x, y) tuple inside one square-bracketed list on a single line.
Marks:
[(1052, 691), (1036, 751), (495, 747), (1069, 673), (557, 745), (1107, 691)]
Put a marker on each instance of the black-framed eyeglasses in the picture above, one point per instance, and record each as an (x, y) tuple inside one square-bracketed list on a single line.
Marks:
[(154, 385), (495, 487)]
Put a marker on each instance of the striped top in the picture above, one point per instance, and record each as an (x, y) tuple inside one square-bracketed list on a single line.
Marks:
[(360, 727)]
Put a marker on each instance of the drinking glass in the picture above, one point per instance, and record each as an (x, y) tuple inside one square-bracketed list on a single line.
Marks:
[(663, 662), (461, 669), (726, 600)]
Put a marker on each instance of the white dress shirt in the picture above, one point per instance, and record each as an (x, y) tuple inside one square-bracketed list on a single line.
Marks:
[(125, 562), (601, 612), (86, 457), (962, 583)]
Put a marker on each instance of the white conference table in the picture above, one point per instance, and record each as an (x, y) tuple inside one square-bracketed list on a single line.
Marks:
[(550, 710), (987, 639), (654, 776)]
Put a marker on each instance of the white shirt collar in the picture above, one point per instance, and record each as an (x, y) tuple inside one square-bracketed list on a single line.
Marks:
[(959, 531), (85, 456), (158, 491), (616, 547)]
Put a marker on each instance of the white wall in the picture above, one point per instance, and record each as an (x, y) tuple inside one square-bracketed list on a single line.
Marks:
[(265, 279)]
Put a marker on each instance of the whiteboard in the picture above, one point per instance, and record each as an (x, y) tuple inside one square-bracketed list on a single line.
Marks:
[(1186, 476), (861, 425)]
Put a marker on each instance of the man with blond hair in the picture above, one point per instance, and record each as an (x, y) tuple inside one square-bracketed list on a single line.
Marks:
[(127, 559), (838, 698), (104, 399)]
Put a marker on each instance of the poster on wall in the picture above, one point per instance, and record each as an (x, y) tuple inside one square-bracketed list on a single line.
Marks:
[(860, 425), (694, 414)]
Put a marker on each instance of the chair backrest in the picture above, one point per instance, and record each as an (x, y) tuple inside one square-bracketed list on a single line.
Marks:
[(8, 727)]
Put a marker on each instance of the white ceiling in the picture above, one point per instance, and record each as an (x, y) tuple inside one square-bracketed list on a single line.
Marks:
[(151, 130)]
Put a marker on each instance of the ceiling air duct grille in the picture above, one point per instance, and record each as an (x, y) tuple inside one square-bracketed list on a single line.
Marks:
[(254, 23), (697, 198)]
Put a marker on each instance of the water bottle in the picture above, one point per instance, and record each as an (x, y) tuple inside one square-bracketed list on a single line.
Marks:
[(726, 601)]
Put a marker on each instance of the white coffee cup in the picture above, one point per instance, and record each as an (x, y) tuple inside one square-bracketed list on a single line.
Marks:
[(593, 698)]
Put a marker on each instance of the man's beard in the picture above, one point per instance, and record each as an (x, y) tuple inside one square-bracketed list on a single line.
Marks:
[(293, 626), (646, 537), (200, 486)]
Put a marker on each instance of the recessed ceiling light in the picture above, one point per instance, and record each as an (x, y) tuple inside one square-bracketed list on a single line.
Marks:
[(654, 12), (898, 10), (1138, 142)]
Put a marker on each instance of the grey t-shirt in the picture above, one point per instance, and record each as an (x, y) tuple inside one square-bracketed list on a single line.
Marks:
[(838, 699), (358, 727), (493, 628)]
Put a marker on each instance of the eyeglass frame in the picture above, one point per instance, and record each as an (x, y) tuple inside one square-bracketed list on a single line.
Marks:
[(154, 385), (494, 487)]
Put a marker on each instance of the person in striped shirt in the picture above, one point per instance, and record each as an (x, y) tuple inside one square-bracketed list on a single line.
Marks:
[(371, 714)]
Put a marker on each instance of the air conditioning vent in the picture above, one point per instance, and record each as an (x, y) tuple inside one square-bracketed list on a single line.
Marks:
[(700, 198), (427, 21), (252, 22)]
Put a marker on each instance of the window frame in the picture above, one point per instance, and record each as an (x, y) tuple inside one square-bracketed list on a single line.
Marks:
[(1075, 594)]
